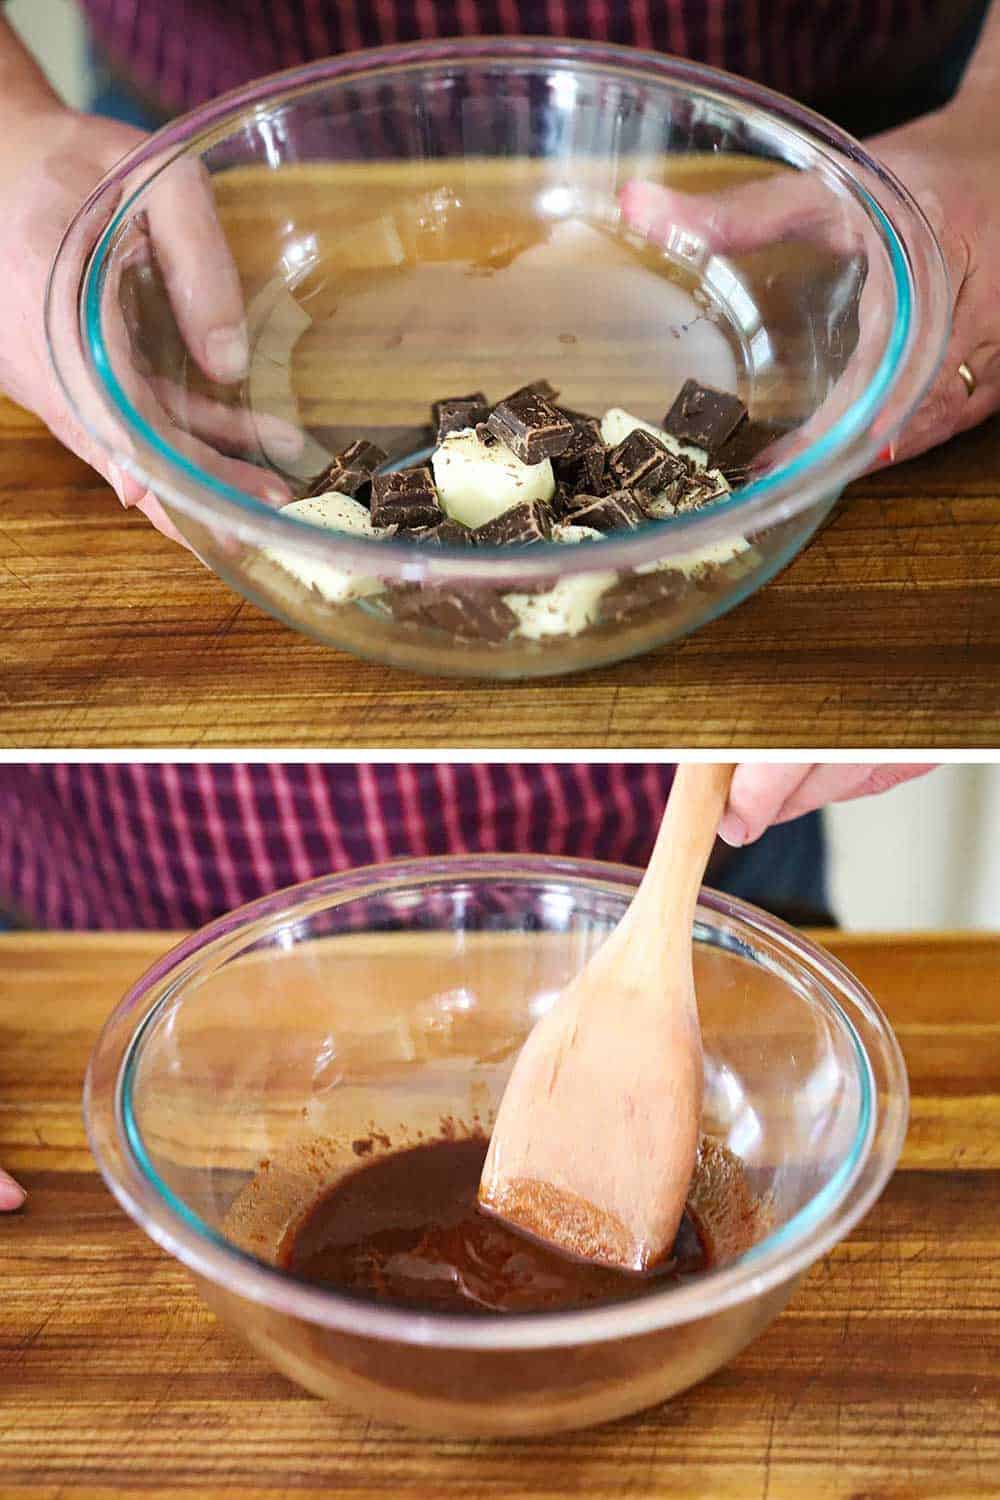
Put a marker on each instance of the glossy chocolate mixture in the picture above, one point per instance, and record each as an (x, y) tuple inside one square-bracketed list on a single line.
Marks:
[(406, 1228)]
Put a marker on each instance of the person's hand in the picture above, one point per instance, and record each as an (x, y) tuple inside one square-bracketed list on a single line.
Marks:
[(12, 1195), (764, 793), (50, 158), (950, 161)]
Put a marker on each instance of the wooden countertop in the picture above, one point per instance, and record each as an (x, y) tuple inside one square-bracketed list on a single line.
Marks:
[(885, 632), (881, 1378)]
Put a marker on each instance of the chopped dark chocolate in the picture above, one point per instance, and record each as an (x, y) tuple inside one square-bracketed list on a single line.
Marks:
[(562, 502), (459, 414), (637, 591), (446, 533), (485, 436), (703, 416), (531, 427), (517, 527), (349, 472), (406, 498), (474, 398), (543, 388), (675, 484), (466, 614), (671, 487), (701, 486), (580, 466), (579, 418), (641, 462), (736, 455), (619, 511)]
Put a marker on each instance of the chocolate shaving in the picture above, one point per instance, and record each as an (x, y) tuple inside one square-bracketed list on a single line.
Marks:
[(517, 527), (703, 416), (531, 427), (349, 472), (465, 614), (619, 511), (406, 498)]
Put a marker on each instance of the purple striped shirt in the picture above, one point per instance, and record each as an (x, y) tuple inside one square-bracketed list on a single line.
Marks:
[(182, 52), (169, 846)]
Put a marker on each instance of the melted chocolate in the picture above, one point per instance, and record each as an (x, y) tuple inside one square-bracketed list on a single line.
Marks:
[(406, 1228)]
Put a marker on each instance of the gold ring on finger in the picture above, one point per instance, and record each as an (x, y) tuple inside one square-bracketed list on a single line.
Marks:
[(968, 379)]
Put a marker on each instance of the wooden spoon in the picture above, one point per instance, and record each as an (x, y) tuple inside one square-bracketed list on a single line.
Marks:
[(597, 1133)]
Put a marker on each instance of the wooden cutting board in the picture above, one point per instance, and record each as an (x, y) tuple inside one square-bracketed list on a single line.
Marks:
[(885, 632), (881, 1379)]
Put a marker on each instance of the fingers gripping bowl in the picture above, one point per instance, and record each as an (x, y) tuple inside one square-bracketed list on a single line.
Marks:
[(266, 1052), (418, 223)]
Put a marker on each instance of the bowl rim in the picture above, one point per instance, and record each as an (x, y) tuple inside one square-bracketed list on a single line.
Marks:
[(820, 1223), (908, 363)]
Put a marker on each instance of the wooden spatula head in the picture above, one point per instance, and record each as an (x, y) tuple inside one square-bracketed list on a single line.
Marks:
[(597, 1133)]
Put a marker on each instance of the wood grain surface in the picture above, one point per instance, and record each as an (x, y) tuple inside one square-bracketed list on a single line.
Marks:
[(881, 1379), (885, 632)]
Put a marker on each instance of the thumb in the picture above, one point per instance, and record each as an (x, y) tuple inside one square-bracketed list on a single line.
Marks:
[(130, 493)]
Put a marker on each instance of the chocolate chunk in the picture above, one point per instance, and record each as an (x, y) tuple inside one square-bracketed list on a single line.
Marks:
[(543, 388), (700, 487), (459, 413), (474, 398), (468, 615), (619, 511), (485, 436), (562, 502), (566, 498), (446, 533), (584, 474), (641, 462), (671, 486), (703, 417), (517, 527), (531, 427), (580, 466), (349, 472), (637, 591), (405, 498), (736, 455)]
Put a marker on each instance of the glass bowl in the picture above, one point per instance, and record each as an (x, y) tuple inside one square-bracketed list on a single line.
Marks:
[(391, 998), (418, 222)]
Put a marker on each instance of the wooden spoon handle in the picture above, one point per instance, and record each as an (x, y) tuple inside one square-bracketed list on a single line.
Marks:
[(669, 889)]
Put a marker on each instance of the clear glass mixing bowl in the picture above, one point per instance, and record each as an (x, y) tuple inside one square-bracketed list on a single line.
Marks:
[(227, 1087), (423, 221)]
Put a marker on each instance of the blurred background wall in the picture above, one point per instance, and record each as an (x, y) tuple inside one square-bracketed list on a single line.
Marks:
[(54, 31), (924, 855)]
